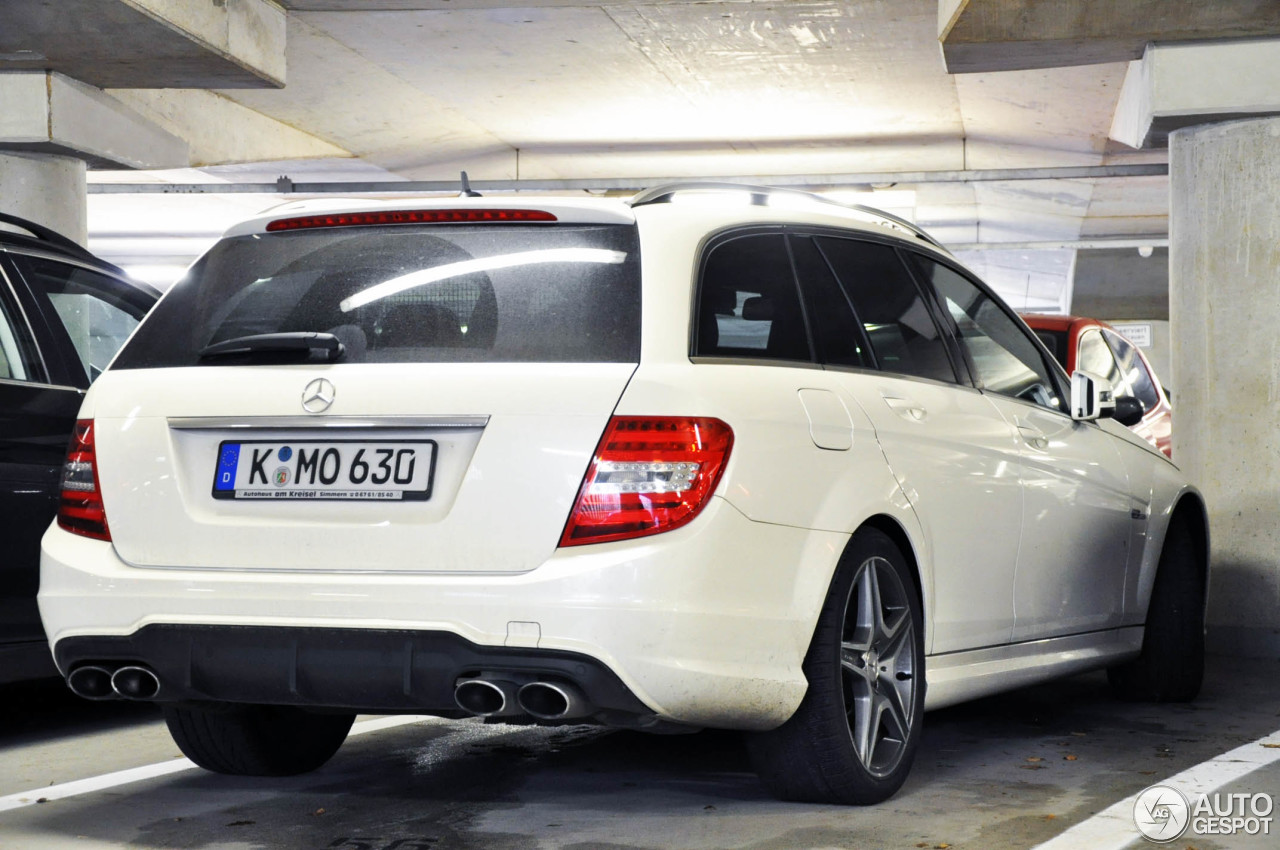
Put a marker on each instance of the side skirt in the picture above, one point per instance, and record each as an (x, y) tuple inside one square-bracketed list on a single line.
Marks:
[(959, 676)]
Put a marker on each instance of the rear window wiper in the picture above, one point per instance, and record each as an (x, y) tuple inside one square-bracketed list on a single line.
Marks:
[(317, 346)]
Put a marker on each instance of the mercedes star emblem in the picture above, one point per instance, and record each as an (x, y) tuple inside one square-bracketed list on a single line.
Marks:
[(317, 396)]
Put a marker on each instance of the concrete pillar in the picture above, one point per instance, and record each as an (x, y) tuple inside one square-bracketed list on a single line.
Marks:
[(49, 190), (1224, 264)]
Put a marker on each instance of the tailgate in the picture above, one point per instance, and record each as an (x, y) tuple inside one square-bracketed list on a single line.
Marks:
[(412, 468)]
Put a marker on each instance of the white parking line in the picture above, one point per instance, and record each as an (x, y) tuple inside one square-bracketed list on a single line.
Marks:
[(1113, 828), (150, 771)]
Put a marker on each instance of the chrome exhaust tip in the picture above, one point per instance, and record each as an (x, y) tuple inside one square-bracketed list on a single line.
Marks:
[(91, 682), (135, 682), (486, 697), (553, 701)]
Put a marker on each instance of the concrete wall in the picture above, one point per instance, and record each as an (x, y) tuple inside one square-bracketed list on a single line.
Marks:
[(1225, 314)]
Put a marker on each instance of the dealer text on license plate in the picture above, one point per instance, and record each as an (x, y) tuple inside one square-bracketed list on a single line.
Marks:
[(370, 470)]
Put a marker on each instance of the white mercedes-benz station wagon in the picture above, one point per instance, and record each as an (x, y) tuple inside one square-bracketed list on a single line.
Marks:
[(716, 456)]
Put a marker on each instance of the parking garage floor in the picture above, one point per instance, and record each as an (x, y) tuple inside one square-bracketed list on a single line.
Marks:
[(1038, 767)]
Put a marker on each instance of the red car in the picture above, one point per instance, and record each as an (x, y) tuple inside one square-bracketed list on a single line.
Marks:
[(1096, 347)]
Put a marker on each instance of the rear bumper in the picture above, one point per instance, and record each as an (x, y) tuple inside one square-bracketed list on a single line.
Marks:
[(365, 670), (707, 625)]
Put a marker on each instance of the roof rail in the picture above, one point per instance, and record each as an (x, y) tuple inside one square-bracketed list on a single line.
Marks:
[(662, 194), (53, 237), (911, 226), (760, 194)]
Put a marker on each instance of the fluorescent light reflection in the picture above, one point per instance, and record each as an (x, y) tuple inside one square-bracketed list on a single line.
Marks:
[(404, 282)]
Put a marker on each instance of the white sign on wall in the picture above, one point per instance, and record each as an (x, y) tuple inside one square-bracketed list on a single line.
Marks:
[(1138, 333)]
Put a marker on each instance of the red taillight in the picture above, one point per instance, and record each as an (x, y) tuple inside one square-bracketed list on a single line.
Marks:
[(354, 219), (80, 510), (650, 474)]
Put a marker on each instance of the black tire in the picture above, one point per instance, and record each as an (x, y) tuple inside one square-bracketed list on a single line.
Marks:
[(256, 740), (854, 736), (1171, 666)]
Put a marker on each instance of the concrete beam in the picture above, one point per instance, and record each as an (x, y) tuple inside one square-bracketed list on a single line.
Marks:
[(1180, 85), (48, 190), (47, 113), (1007, 35), (148, 43), (220, 131)]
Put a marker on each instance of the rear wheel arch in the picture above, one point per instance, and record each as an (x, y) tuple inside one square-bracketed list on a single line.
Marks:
[(892, 529), (854, 736)]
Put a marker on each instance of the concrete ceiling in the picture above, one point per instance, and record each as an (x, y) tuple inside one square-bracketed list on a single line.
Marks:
[(607, 90)]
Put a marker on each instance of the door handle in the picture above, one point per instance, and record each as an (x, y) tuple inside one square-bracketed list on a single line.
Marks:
[(1033, 436), (906, 408)]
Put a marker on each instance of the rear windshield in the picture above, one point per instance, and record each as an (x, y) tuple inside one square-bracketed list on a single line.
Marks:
[(487, 293)]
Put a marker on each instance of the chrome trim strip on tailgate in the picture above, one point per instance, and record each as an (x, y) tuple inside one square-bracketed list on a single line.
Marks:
[(295, 422)]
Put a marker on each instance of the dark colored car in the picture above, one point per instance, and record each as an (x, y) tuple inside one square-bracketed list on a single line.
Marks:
[(63, 315), (1095, 346)]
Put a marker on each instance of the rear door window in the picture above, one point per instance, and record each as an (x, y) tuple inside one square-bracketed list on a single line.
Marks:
[(836, 331), (411, 294), (896, 320)]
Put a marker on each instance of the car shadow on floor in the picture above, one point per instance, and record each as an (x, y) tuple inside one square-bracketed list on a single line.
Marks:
[(45, 709)]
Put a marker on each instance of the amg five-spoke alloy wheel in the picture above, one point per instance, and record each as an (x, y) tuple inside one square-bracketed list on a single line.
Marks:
[(877, 660), (854, 735)]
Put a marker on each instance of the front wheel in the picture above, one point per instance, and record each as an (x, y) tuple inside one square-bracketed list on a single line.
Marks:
[(854, 736), (1171, 665), (256, 740)]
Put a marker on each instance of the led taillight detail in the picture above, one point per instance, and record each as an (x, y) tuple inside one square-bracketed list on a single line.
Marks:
[(650, 474), (80, 509), (356, 219)]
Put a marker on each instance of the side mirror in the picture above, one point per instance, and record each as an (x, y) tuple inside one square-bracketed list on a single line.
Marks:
[(1129, 411), (1091, 397)]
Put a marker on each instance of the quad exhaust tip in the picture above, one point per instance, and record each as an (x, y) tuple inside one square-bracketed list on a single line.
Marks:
[(489, 695), (98, 682), (486, 697), (91, 682), (133, 682), (553, 701)]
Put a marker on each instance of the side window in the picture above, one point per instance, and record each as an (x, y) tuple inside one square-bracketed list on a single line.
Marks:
[(748, 305), (1006, 359), (1056, 342), (836, 331), (1137, 381), (1093, 355), (91, 307), (18, 359), (902, 334)]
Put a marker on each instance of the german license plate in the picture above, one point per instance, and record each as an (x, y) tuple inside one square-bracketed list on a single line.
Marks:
[(357, 470)]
